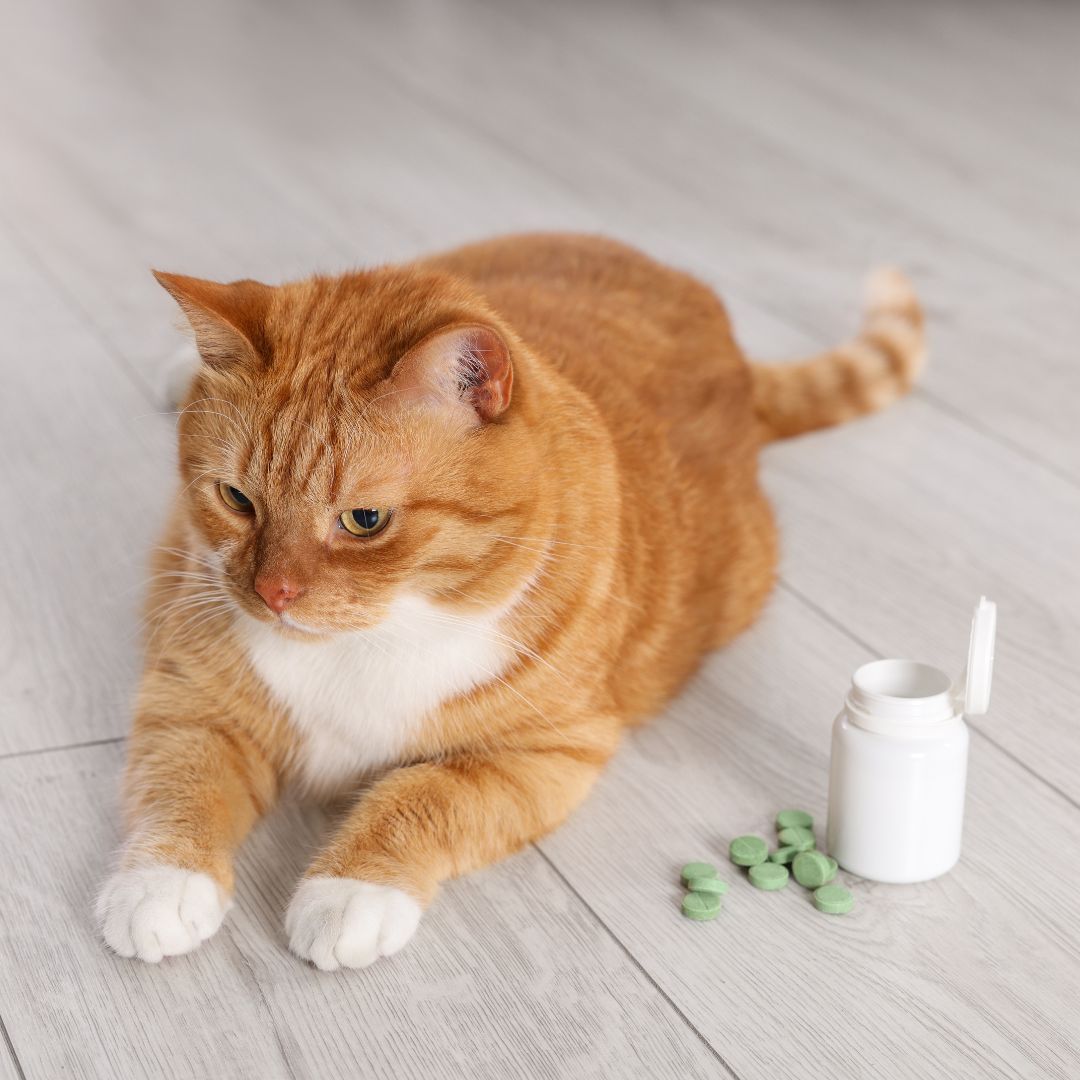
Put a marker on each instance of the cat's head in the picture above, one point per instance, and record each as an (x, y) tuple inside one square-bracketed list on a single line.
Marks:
[(350, 440)]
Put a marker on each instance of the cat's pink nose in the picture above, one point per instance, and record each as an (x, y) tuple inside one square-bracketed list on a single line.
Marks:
[(278, 592)]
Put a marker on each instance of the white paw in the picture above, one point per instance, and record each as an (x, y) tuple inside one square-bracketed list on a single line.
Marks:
[(157, 910), (342, 922)]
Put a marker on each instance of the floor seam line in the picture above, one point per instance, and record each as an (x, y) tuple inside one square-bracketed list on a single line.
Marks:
[(982, 255), (11, 1049), (786, 585), (932, 399), (421, 98), (67, 746), (885, 201), (636, 962), (250, 969)]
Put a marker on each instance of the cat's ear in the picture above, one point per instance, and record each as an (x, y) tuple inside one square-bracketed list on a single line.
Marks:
[(459, 367), (229, 320)]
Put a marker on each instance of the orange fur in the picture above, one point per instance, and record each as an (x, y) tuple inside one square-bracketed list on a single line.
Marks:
[(564, 429)]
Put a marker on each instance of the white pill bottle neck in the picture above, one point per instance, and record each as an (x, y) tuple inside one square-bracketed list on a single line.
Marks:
[(902, 698)]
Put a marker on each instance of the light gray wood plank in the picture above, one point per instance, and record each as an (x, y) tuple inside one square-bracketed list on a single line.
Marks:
[(896, 526), (842, 100), (876, 94), (325, 179), (9, 1067), (509, 974), (286, 205), (719, 190), (974, 975), (84, 477), (380, 138)]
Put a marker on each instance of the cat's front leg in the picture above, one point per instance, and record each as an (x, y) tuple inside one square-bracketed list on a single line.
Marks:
[(363, 896), (194, 787)]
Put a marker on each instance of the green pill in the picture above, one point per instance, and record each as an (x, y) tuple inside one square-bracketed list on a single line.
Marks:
[(784, 855), (833, 900), (748, 850), (797, 837), (700, 907), (712, 885), (794, 819), (812, 869), (768, 876), (697, 870)]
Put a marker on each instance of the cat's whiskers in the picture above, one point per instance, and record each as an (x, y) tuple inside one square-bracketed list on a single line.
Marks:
[(543, 540), (555, 557), (187, 553), (187, 630), (215, 412), (195, 479), (208, 609), (180, 577), (522, 601), (182, 603), (195, 575), (191, 594), (221, 443), (240, 420)]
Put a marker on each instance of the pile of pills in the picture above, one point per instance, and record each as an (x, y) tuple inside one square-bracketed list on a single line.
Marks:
[(797, 849), (702, 901)]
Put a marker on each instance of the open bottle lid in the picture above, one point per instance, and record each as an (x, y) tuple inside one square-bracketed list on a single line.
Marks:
[(979, 672)]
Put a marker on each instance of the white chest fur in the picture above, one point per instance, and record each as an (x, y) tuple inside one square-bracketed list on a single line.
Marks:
[(356, 700)]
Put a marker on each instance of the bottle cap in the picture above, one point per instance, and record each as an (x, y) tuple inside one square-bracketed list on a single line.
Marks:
[(979, 672)]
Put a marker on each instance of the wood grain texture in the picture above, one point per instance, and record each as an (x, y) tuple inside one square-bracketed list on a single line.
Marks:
[(778, 151), (85, 475), (9, 1066), (973, 975), (923, 517), (911, 115), (512, 974)]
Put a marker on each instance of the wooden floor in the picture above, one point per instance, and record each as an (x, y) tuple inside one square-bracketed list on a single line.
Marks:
[(778, 150)]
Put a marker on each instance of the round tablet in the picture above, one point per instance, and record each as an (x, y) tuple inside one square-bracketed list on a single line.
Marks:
[(712, 885), (784, 855), (768, 876), (700, 906), (799, 838), (697, 870), (811, 869), (833, 899), (748, 850), (794, 819)]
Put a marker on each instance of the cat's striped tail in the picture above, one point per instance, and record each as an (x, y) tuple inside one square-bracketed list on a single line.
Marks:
[(867, 373)]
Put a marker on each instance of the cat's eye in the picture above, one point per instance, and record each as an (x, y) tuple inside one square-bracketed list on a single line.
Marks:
[(365, 522), (234, 498)]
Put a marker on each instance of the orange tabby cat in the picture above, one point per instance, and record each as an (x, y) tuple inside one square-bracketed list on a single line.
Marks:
[(455, 524)]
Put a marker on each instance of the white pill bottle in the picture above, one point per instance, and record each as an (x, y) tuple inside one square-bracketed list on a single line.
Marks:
[(899, 762)]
